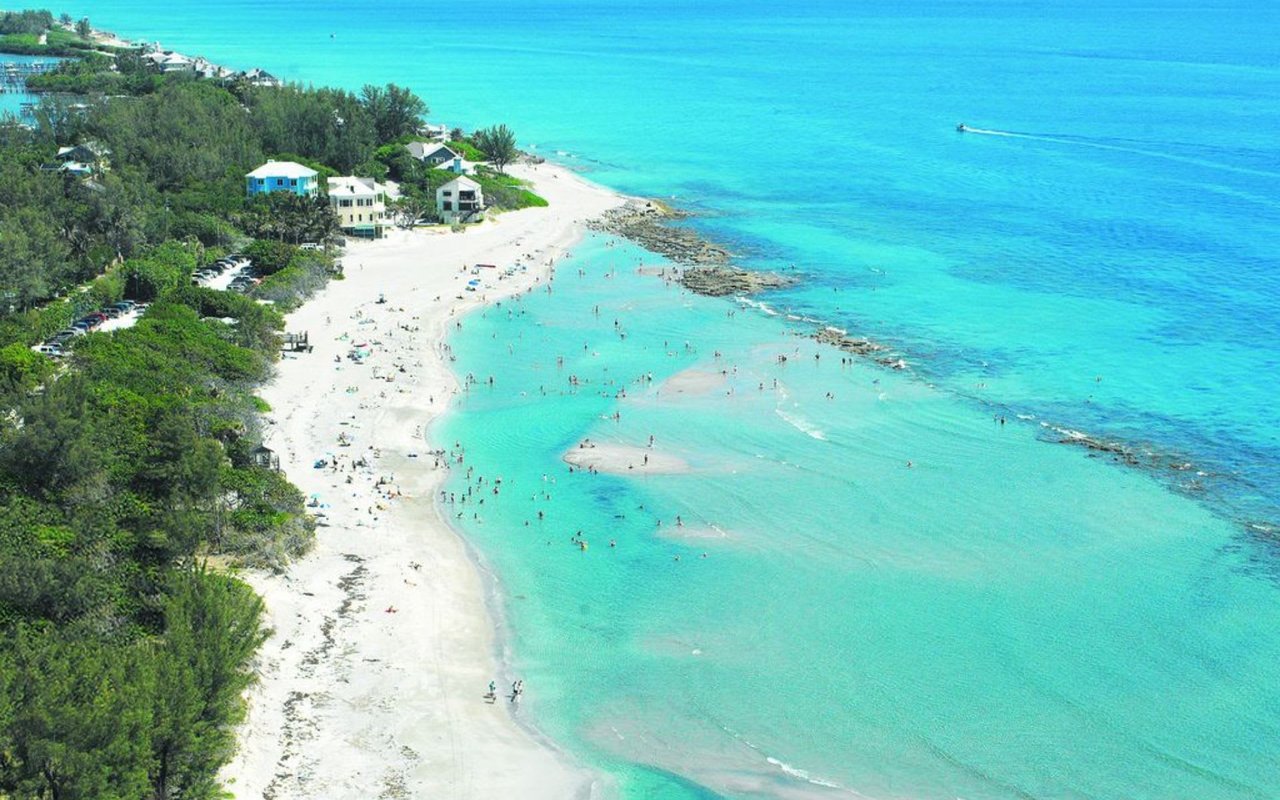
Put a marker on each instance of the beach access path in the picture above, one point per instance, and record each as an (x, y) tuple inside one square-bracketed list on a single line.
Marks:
[(372, 683)]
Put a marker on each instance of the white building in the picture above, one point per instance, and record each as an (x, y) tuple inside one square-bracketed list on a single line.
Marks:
[(460, 200), (361, 206), (169, 61), (260, 77)]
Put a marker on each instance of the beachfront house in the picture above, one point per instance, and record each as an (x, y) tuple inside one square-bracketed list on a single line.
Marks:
[(169, 61), (460, 200), (361, 206), (260, 77), (432, 154), (437, 133), (282, 176), (207, 69)]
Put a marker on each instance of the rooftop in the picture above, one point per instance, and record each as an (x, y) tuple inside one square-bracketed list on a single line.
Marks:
[(354, 187), (282, 169), (424, 149), (462, 183)]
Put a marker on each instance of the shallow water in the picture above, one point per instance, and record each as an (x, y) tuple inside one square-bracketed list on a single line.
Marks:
[(1002, 618), (1005, 618)]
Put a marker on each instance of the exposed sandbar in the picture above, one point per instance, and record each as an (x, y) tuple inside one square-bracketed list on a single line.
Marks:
[(621, 459)]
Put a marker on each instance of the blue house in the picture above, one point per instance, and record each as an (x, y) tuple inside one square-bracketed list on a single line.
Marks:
[(282, 176)]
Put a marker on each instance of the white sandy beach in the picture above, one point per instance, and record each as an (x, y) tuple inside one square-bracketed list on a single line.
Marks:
[(373, 682)]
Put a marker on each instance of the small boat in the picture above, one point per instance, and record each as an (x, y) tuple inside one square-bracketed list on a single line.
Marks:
[(961, 128)]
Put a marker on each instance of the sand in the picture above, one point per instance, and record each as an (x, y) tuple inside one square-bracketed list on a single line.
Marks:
[(623, 459), (693, 382), (373, 682)]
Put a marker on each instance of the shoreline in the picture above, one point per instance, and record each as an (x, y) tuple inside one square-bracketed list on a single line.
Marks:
[(386, 635), (512, 739)]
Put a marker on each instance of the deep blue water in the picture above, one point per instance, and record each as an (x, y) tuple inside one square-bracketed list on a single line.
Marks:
[(1010, 619)]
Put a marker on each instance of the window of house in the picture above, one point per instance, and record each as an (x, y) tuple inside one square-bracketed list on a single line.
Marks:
[(293, 182)]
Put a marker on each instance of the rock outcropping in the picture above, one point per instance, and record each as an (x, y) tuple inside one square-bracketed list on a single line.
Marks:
[(648, 224), (860, 347), (719, 281)]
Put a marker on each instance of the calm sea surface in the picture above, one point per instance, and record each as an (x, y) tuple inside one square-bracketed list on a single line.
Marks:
[(1007, 617)]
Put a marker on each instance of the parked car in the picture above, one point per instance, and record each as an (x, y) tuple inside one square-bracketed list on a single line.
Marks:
[(54, 350), (74, 331)]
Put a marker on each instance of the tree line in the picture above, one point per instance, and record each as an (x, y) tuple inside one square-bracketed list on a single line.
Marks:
[(128, 467), (132, 465)]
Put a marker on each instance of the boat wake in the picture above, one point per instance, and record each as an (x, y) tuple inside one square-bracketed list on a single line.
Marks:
[(1112, 145)]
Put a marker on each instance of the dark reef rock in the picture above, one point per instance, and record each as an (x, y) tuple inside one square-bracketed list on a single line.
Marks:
[(720, 281), (647, 223)]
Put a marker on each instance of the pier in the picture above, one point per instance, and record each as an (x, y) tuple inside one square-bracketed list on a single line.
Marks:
[(14, 74)]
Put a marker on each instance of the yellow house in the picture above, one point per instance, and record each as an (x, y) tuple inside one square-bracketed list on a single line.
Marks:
[(361, 206)]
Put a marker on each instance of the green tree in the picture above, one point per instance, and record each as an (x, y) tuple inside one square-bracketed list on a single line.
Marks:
[(29, 22), (83, 28), (498, 143), (287, 217), (396, 111), (181, 136), (212, 628), (33, 256), (81, 720), (21, 369)]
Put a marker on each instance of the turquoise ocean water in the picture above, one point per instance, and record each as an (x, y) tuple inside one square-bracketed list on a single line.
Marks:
[(1006, 618)]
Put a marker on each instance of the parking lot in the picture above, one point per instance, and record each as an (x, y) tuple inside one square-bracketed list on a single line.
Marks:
[(233, 273)]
